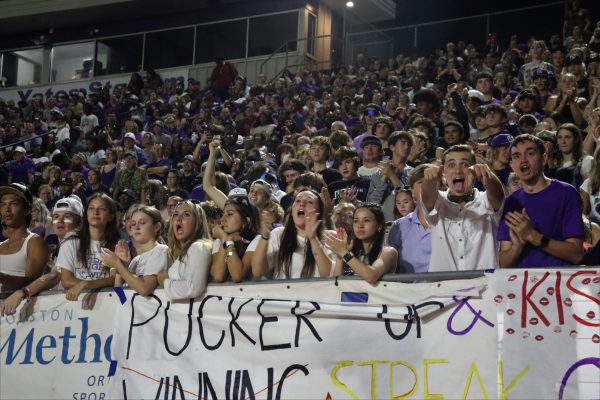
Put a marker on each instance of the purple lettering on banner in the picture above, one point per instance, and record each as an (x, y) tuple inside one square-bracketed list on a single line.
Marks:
[(477, 317), (584, 361), (24, 96), (94, 86)]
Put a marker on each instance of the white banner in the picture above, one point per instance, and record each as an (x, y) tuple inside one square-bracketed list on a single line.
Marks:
[(501, 336), (88, 85)]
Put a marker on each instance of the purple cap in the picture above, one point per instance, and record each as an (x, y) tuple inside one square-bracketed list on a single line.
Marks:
[(501, 139)]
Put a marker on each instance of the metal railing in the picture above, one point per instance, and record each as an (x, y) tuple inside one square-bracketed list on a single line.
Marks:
[(406, 278), (355, 42), (300, 51)]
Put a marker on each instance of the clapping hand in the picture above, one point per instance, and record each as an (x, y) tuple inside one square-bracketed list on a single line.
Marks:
[(337, 243)]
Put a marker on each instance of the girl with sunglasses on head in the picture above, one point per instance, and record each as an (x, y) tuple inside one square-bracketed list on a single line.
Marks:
[(368, 257), (294, 250), (152, 257), (236, 239), (79, 256), (190, 249)]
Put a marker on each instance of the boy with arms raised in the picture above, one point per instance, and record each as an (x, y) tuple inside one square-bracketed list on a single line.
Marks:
[(463, 220)]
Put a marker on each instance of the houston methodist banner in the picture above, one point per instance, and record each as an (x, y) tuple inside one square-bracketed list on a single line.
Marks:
[(510, 335)]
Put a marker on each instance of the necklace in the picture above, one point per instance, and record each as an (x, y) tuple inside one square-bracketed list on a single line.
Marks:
[(9, 241)]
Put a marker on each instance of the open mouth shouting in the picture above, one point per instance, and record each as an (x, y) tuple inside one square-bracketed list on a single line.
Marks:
[(458, 185), (178, 229), (525, 169)]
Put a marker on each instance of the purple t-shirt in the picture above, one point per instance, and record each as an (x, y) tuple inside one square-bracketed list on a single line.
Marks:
[(555, 212), (19, 171), (413, 243)]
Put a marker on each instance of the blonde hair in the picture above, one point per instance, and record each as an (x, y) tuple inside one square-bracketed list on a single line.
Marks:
[(154, 215), (177, 249), (43, 214)]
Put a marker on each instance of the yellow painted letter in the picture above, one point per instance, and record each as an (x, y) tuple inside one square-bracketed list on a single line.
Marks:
[(426, 362)]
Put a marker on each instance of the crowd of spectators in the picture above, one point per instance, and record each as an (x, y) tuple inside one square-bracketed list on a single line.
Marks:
[(304, 174)]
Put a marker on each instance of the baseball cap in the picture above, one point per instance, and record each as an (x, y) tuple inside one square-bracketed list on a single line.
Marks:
[(237, 192), (189, 157), (19, 190), (129, 153), (371, 139), (69, 204), (129, 135), (67, 181), (501, 139), (128, 192), (158, 122), (476, 94), (264, 186), (80, 155), (19, 149)]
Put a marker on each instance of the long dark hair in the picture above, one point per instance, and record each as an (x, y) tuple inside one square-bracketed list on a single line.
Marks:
[(577, 142), (110, 237), (289, 243), (249, 214), (357, 245)]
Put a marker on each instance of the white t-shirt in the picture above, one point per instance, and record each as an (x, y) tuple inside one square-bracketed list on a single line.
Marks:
[(594, 201), (188, 275), (297, 261), (251, 246), (586, 165), (463, 239), (95, 159), (364, 171), (151, 262), (69, 260)]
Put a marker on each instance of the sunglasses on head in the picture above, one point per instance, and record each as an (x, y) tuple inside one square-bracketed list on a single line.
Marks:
[(371, 112), (402, 189)]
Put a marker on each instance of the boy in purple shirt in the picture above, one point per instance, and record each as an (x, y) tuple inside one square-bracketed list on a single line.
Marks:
[(541, 225), (21, 168)]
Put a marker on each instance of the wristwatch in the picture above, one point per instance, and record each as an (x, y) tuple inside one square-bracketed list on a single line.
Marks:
[(348, 256), (544, 242), (228, 243)]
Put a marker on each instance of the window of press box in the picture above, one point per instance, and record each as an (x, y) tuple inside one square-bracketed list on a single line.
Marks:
[(170, 48), (119, 55), (22, 68), (226, 40), (269, 32), (72, 61)]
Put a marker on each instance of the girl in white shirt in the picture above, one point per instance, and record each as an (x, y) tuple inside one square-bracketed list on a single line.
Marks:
[(79, 255), (294, 251), (190, 250), (152, 257)]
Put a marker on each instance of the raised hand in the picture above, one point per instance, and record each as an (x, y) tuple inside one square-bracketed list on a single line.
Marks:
[(218, 233), (110, 259), (349, 195), (266, 223), (519, 224), (482, 172), (122, 251), (311, 223), (337, 243)]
